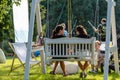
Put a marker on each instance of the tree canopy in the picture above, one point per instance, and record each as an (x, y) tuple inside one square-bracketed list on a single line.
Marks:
[(82, 11)]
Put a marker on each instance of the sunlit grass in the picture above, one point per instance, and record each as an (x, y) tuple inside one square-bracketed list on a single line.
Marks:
[(36, 74)]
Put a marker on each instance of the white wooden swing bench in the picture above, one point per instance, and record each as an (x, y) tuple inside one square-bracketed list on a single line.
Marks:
[(80, 49)]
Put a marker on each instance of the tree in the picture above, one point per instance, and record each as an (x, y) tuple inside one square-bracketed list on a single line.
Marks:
[(82, 11), (117, 10), (5, 7)]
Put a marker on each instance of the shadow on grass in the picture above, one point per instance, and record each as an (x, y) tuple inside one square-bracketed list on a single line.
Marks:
[(114, 76), (60, 77)]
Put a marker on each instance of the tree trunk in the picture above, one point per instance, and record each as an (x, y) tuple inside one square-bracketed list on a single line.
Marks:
[(1, 45)]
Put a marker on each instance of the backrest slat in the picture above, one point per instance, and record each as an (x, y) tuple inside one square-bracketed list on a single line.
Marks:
[(63, 46), (56, 49), (60, 49), (66, 48)]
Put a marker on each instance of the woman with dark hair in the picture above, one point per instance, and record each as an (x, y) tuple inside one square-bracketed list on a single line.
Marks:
[(58, 32), (81, 33)]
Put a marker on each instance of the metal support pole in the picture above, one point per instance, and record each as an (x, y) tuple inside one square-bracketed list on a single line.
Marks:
[(30, 36), (107, 48)]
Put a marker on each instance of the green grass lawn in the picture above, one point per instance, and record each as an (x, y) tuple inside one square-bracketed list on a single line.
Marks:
[(36, 74)]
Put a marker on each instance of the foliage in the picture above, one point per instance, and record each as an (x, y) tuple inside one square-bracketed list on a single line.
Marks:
[(4, 7), (82, 11), (43, 16), (6, 25), (117, 8), (16, 2)]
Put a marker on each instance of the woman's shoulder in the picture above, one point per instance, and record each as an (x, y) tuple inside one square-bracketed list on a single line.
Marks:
[(87, 36), (83, 36), (59, 36)]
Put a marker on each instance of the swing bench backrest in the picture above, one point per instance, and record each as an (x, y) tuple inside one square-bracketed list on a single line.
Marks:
[(74, 48)]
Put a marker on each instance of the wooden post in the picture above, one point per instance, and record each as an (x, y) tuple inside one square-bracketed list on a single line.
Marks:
[(114, 39), (43, 64), (38, 18), (69, 19)]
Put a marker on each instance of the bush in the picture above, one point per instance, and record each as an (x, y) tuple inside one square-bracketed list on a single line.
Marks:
[(6, 48)]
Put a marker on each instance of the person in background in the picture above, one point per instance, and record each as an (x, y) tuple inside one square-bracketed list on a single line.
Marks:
[(65, 31), (39, 39), (81, 33), (39, 42), (94, 68), (58, 32), (101, 30)]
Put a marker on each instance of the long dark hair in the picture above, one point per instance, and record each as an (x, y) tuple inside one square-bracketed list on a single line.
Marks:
[(81, 30), (56, 30)]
